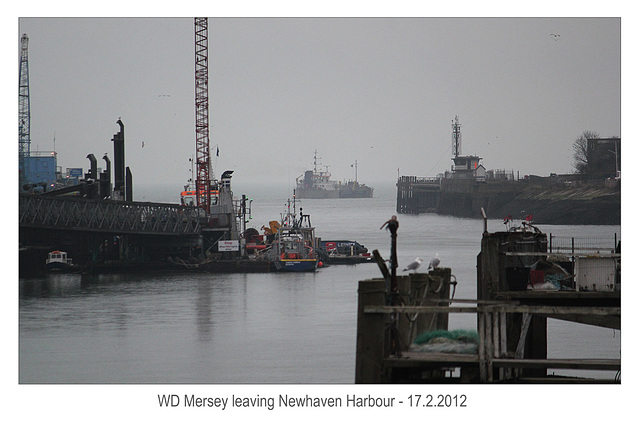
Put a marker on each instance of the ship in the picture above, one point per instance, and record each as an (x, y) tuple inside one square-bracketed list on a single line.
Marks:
[(317, 184), (355, 190)]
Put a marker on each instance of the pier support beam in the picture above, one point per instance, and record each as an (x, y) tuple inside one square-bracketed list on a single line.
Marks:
[(370, 337)]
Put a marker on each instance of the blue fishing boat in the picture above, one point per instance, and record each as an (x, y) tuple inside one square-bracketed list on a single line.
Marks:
[(294, 245)]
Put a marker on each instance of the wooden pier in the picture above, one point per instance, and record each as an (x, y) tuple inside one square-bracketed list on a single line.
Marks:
[(511, 322), (417, 195)]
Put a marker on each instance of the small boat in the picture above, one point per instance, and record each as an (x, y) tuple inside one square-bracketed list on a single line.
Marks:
[(294, 245), (58, 261), (345, 252), (344, 247)]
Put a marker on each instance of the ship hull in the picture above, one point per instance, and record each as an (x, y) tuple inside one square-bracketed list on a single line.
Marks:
[(361, 193), (298, 265), (317, 194)]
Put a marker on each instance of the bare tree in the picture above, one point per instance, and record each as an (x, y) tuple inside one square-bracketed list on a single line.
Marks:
[(580, 161)]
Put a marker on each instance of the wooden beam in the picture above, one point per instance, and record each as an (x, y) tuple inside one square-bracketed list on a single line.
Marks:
[(586, 364), (541, 310), (524, 328), (381, 264)]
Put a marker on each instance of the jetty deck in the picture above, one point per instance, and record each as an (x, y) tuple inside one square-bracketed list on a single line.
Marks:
[(511, 318), (500, 356)]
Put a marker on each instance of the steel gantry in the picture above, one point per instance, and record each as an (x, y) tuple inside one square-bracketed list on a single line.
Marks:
[(24, 109), (203, 160), (108, 216)]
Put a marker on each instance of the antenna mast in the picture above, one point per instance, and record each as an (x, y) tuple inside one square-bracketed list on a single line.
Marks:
[(24, 110), (203, 160), (456, 138)]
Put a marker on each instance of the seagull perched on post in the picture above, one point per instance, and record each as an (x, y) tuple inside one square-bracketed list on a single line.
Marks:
[(414, 265), (434, 262)]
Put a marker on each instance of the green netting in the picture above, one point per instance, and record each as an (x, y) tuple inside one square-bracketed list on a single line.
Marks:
[(462, 335), (441, 341)]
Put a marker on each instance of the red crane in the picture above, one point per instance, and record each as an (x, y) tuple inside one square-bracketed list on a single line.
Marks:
[(203, 160)]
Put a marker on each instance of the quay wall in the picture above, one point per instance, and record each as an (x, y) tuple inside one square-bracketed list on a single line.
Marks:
[(549, 202)]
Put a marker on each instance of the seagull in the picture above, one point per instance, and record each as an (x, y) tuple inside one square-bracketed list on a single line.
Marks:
[(434, 262), (414, 265)]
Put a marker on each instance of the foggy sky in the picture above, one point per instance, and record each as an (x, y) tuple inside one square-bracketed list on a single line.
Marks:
[(382, 91)]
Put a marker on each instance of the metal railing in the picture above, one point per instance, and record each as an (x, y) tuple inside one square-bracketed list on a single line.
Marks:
[(582, 245), (112, 216)]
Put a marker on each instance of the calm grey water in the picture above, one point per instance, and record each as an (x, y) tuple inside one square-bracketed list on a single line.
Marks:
[(252, 328)]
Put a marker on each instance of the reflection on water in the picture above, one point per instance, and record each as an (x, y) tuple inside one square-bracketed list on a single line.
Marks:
[(53, 285), (176, 328)]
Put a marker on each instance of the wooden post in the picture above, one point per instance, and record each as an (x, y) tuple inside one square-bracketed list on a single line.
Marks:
[(489, 344), (370, 337), (482, 339), (442, 278), (402, 320), (504, 373), (394, 258), (496, 338), (484, 219), (426, 287), (392, 294)]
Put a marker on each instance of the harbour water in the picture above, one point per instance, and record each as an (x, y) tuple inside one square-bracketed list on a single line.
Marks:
[(192, 328)]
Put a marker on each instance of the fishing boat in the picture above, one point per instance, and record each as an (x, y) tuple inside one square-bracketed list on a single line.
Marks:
[(58, 261), (293, 248)]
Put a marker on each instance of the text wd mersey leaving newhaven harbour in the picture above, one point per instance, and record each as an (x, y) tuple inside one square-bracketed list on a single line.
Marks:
[(283, 401)]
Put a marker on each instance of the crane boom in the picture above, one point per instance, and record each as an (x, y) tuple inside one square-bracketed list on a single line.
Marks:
[(203, 160), (24, 110)]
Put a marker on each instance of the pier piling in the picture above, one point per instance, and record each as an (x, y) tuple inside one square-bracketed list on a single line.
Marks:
[(511, 320)]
